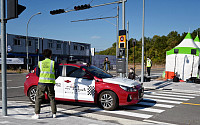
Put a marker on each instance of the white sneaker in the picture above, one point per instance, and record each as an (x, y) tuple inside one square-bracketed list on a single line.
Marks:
[(36, 116), (54, 116)]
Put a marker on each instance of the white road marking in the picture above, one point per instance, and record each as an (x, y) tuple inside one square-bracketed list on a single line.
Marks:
[(178, 93), (105, 117), (157, 122), (162, 97), (125, 113), (161, 100), (185, 91), (7, 81), (154, 93), (155, 104), (146, 109), (14, 87)]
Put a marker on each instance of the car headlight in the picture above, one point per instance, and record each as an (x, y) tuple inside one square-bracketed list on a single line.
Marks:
[(128, 89)]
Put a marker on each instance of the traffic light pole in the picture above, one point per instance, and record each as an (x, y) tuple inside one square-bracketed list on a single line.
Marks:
[(117, 47), (123, 27), (142, 65), (120, 1), (127, 49), (3, 59)]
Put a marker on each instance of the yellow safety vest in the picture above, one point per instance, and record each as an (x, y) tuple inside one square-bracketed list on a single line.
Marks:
[(149, 63), (47, 71)]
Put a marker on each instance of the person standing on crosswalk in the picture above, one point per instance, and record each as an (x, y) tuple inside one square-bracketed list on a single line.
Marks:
[(149, 65), (47, 71)]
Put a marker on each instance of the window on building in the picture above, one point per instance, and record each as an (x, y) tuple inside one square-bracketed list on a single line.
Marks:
[(50, 45), (17, 42), (75, 47), (29, 43), (58, 46), (82, 48)]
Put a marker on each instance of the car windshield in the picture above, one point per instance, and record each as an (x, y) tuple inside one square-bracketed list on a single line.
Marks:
[(97, 72)]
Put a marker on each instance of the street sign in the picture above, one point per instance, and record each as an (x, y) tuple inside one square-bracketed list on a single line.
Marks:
[(9, 48)]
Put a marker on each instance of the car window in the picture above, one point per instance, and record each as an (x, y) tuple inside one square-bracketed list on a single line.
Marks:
[(78, 73), (97, 72), (70, 69)]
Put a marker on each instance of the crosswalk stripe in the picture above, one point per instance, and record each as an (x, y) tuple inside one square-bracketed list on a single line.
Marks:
[(161, 100), (132, 114), (146, 109), (104, 117), (185, 91), (177, 93), (154, 93), (162, 97), (155, 104), (157, 122)]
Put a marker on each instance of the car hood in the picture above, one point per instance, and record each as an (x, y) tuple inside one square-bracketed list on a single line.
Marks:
[(121, 81)]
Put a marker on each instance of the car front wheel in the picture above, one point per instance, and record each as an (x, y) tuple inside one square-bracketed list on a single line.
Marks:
[(108, 100), (32, 94)]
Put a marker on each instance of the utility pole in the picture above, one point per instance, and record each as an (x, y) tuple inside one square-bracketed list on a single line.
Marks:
[(127, 49), (3, 59), (117, 47), (123, 14), (142, 65), (123, 28), (38, 49)]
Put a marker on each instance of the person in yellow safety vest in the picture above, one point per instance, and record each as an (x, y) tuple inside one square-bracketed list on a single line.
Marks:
[(47, 71), (149, 64)]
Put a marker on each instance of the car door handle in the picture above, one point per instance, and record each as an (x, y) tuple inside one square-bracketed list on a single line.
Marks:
[(67, 81)]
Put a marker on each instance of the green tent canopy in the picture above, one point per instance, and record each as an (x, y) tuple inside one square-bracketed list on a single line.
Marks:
[(185, 46)]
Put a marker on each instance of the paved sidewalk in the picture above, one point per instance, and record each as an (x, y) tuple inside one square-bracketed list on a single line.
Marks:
[(174, 86)]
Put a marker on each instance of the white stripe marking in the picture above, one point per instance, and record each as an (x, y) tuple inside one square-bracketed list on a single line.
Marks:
[(14, 87), (157, 122), (132, 114), (146, 109), (156, 104), (185, 91), (154, 93), (176, 93), (162, 97), (7, 81), (160, 100)]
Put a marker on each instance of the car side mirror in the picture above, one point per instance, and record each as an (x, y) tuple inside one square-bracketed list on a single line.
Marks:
[(87, 76)]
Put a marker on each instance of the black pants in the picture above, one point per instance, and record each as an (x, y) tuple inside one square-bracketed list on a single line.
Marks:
[(148, 70)]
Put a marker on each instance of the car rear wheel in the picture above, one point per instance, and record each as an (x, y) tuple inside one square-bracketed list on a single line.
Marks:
[(32, 94), (108, 100)]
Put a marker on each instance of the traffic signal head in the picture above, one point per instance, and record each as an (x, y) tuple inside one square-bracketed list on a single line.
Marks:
[(59, 11), (81, 7), (14, 9)]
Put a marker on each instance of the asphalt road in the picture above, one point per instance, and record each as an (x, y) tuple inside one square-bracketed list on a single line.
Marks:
[(158, 106)]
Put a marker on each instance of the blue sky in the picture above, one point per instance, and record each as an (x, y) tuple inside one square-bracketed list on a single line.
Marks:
[(161, 17)]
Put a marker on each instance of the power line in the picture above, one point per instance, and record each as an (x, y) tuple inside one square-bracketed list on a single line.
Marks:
[(94, 19), (91, 1), (73, 4)]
